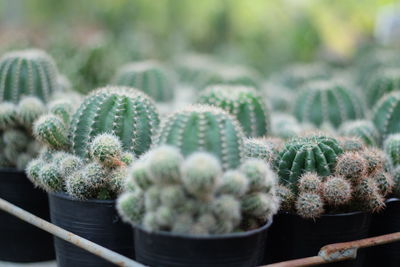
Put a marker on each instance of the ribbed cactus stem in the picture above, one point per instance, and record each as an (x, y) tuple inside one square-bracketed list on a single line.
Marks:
[(122, 111), (363, 129), (392, 149), (29, 109), (327, 102), (204, 128), (28, 72), (8, 115), (50, 129), (385, 114), (244, 103), (147, 76)]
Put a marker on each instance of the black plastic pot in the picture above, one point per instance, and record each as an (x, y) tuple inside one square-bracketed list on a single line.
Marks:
[(21, 241), (95, 220), (292, 237), (386, 222), (169, 249)]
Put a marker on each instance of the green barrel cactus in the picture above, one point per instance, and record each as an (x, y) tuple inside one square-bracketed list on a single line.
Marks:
[(123, 111), (385, 114), (242, 102), (148, 76), (327, 102), (384, 81), (363, 129), (391, 147), (307, 154), (27, 72), (207, 128)]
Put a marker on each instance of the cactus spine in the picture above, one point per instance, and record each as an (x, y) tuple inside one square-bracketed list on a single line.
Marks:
[(206, 128), (27, 72), (148, 76), (242, 102), (327, 102)]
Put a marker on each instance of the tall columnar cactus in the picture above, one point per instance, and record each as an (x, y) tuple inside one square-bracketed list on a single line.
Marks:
[(363, 129), (307, 154), (27, 72), (123, 111), (385, 114), (327, 102), (391, 147), (148, 76), (242, 102), (204, 128), (194, 196), (381, 83)]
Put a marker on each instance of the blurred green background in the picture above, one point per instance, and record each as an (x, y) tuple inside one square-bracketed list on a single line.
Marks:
[(264, 34)]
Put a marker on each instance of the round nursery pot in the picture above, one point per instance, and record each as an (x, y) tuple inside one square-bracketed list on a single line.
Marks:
[(169, 249), (385, 222), (95, 220), (19, 240), (292, 237)]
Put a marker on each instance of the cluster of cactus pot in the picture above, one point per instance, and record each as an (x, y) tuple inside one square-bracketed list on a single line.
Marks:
[(28, 79), (325, 177), (194, 195)]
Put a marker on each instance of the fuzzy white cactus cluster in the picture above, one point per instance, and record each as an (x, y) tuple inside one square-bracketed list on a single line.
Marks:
[(193, 195)]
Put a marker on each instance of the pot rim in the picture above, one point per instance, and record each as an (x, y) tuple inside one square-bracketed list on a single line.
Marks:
[(205, 237), (343, 214), (392, 199), (64, 195)]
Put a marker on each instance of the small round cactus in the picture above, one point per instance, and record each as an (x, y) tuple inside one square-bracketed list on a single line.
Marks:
[(351, 166), (391, 147), (310, 182), (70, 164), (164, 164), (27, 72), (353, 144), (199, 174), (287, 198), (309, 205), (29, 109), (50, 130), (245, 103), (384, 182), (62, 108), (375, 159), (147, 76), (363, 129), (131, 206), (382, 82), (204, 128), (325, 102), (285, 126), (8, 115), (307, 154), (123, 111), (336, 191), (233, 182), (50, 178), (106, 149), (384, 114), (33, 171), (259, 174)]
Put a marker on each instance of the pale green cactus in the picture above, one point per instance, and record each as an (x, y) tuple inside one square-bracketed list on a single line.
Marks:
[(384, 114), (391, 147), (106, 149), (51, 130), (147, 76), (29, 109), (363, 129), (8, 115)]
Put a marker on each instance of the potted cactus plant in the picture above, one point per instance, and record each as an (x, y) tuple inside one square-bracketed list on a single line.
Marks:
[(85, 165), (27, 81), (187, 211), (328, 190), (388, 221)]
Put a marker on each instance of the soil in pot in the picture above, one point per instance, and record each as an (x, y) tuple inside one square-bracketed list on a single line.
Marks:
[(21, 241), (169, 249), (385, 222), (95, 220), (292, 237)]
